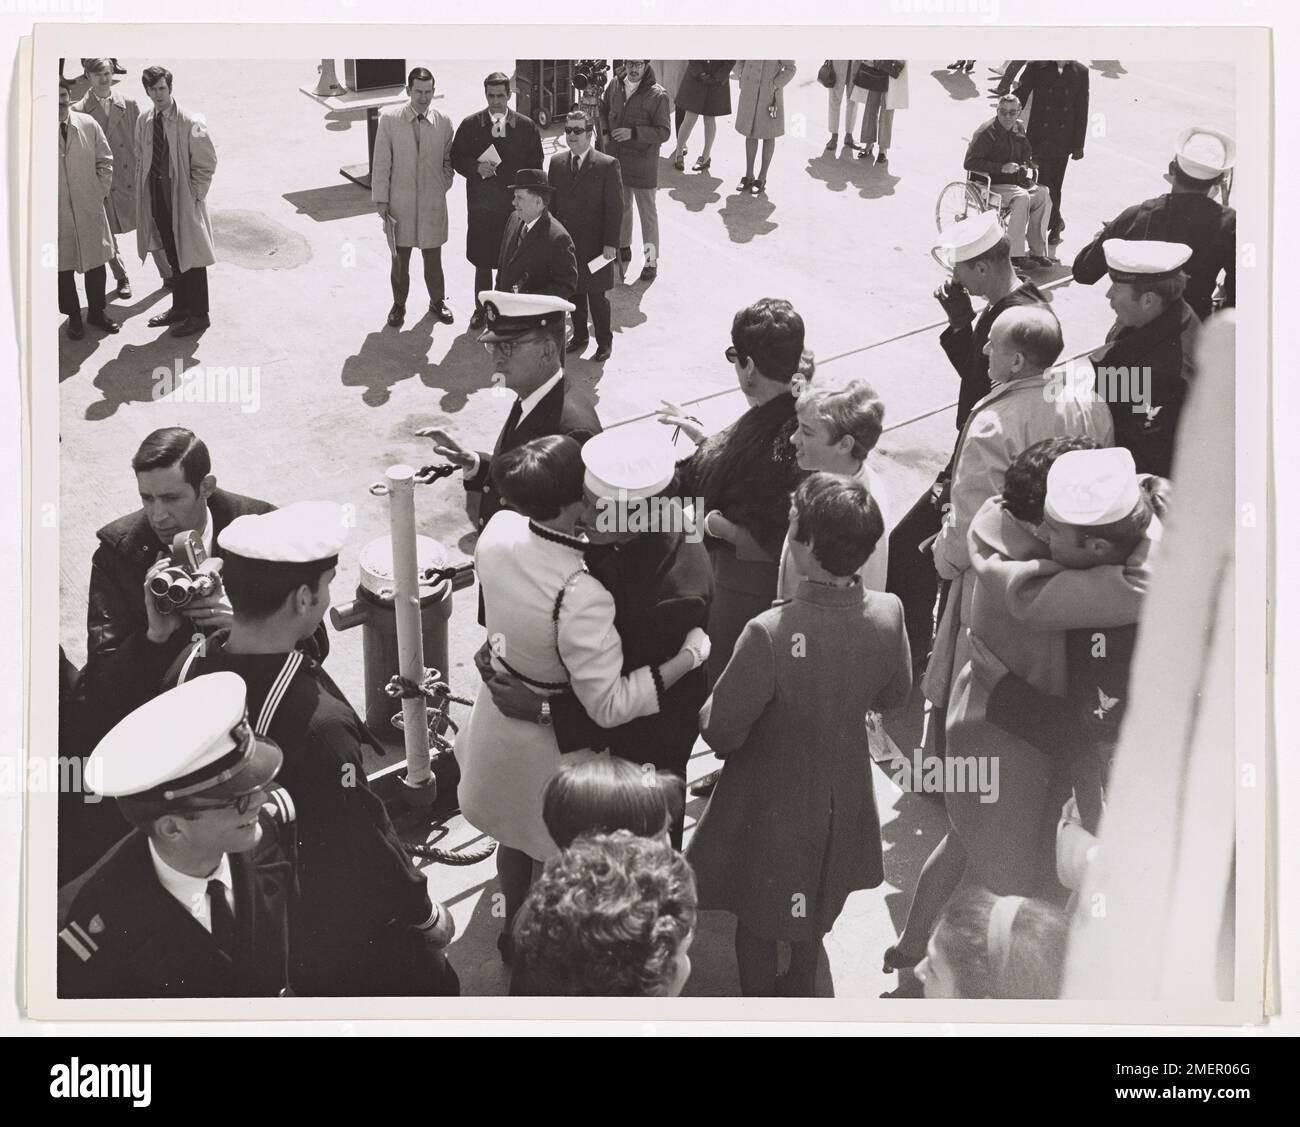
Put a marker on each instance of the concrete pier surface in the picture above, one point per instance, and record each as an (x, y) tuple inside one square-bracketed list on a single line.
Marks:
[(302, 392)]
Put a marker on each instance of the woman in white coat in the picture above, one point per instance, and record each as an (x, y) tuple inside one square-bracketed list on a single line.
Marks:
[(878, 113), (551, 625), (760, 113)]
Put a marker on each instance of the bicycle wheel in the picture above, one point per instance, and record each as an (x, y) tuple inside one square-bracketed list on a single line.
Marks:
[(957, 201)]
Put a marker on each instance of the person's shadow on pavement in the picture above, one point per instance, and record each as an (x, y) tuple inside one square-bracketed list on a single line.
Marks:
[(959, 85)]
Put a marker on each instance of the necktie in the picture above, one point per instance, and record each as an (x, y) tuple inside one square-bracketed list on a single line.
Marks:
[(416, 126), (158, 167), (519, 238), (223, 919), (512, 421), (63, 128)]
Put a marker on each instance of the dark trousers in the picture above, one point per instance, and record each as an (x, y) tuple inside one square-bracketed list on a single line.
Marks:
[(482, 281), (433, 279), (190, 287), (96, 280), (679, 115), (912, 576), (1051, 174), (599, 303)]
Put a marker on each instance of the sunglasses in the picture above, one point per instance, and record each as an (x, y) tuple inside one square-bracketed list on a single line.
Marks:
[(575, 131), (735, 356)]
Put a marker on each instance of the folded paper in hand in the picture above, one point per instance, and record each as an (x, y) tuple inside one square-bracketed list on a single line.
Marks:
[(490, 153), (390, 232), (599, 262)]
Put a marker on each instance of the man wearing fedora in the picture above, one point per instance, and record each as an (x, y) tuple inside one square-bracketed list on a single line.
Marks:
[(524, 337), (196, 902), (1185, 214), (537, 254)]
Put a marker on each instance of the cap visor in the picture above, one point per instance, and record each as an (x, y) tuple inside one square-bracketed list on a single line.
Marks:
[(260, 769)]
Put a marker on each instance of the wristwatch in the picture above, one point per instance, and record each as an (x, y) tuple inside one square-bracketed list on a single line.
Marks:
[(544, 716)]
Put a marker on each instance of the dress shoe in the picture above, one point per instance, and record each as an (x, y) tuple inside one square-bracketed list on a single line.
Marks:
[(397, 315), (649, 272), (882, 157), (478, 320), (76, 328), (577, 344), (601, 354), (1025, 262), (124, 288), (442, 311), (102, 322), (173, 316), (865, 152), (190, 326), (1042, 260)]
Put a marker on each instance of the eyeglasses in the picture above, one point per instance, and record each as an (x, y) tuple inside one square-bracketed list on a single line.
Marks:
[(735, 356), (575, 131), (240, 805), (505, 348)]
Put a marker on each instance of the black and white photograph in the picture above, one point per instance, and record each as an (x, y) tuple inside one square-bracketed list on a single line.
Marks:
[(761, 539)]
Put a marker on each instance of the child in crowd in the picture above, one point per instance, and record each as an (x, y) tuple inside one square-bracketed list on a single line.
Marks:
[(990, 946), (837, 428), (612, 915), (606, 794), (792, 828)]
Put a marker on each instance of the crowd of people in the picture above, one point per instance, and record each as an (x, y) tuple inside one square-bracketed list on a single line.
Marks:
[(773, 604)]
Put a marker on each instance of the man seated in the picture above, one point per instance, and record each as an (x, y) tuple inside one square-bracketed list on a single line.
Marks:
[(1001, 149), (611, 916)]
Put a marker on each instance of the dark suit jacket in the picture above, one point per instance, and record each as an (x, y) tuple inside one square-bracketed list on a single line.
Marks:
[(662, 587), (561, 411), (122, 935), (543, 263), (489, 202), (1058, 123), (590, 205)]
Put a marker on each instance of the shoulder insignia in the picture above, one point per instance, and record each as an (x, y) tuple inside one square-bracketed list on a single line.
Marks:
[(96, 925), (279, 806), (78, 940)]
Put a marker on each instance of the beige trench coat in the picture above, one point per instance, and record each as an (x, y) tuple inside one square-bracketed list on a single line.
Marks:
[(414, 189), (193, 163), (761, 81), (118, 125), (85, 180)]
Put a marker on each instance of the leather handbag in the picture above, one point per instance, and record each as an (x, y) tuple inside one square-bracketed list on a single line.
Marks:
[(871, 78), (826, 74), (892, 67)]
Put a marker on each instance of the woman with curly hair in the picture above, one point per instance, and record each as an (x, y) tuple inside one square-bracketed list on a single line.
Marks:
[(611, 917)]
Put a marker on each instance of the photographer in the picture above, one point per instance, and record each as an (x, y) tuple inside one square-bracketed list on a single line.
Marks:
[(130, 642)]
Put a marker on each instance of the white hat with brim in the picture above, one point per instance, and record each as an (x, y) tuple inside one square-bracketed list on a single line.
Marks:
[(628, 465), (1134, 260), (1089, 488), (191, 741), (968, 239), (509, 315), (1204, 153), (309, 533)]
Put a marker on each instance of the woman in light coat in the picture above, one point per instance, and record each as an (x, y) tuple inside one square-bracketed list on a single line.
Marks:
[(841, 93), (550, 624), (878, 114), (760, 113)]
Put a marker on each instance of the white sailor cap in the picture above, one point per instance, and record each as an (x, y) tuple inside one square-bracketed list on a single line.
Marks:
[(967, 239), (1134, 260), (510, 314), (193, 740), (1204, 153), (309, 533), (1092, 487), (629, 463)]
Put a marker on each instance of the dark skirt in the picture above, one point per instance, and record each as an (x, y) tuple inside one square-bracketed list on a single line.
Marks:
[(702, 98)]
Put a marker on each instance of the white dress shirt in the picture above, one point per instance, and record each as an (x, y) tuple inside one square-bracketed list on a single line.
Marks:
[(192, 892), (526, 406)]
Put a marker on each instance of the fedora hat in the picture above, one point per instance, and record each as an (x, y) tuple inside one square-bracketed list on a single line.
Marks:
[(534, 179)]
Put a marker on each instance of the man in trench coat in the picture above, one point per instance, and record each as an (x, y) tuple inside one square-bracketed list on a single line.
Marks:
[(410, 176), (117, 115), (488, 197), (85, 242), (175, 163)]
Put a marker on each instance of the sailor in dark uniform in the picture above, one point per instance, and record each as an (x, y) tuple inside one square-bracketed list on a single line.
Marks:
[(524, 337), (1185, 214), (648, 553), (196, 902), (1145, 368), (366, 924)]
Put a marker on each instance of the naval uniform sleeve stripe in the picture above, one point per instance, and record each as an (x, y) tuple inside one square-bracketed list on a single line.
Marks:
[(83, 935), (278, 688), (185, 669), (286, 801), (76, 947)]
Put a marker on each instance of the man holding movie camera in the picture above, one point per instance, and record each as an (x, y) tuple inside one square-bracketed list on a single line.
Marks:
[(131, 640)]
